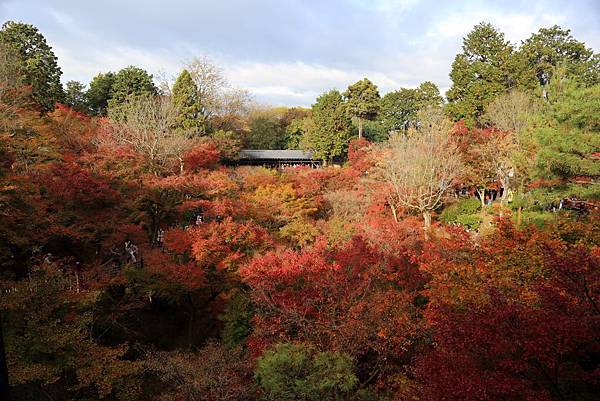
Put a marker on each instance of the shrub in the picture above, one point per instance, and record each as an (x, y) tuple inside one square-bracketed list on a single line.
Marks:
[(298, 372), (462, 207), (237, 318), (472, 221), (539, 219)]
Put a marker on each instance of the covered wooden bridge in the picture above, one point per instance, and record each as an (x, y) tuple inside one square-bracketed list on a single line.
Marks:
[(277, 158)]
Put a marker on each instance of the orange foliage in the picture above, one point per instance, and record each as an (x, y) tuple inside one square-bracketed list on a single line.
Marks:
[(203, 156)]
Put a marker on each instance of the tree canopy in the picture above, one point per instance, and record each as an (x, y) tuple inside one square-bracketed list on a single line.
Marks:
[(399, 109), (39, 64), (483, 70), (554, 47), (130, 81), (100, 92), (185, 98), (362, 102), (329, 135)]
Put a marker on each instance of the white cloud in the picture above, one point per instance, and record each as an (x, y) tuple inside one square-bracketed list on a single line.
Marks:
[(78, 67), (516, 27), (303, 82), (407, 41)]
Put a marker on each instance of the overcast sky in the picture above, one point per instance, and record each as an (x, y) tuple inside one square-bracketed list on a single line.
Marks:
[(287, 52)]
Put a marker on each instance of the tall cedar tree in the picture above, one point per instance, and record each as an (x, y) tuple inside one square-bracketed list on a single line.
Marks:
[(13, 94), (75, 96), (362, 102), (100, 92), (553, 47), (266, 132), (185, 98), (131, 81), (399, 109), (39, 62), (568, 144), (332, 128), (483, 70)]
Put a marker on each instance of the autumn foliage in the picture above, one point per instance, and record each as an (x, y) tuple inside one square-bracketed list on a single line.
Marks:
[(204, 155), (144, 264)]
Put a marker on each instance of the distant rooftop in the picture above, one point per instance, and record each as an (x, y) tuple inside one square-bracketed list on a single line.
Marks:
[(251, 154)]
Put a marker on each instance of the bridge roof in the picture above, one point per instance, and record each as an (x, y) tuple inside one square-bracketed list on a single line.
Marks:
[(264, 154)]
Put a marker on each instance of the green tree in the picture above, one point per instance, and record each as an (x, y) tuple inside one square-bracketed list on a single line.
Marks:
[(428, 95), (295, 372), (568, 139), (399, 109), (362, 100), (131, 81), (295, 132), (185, 98), (237, 319), (100, 92), (484, 69), (41, 70), (13, 94), (328, 134), (266, 133), (553, 47), (75, 96)]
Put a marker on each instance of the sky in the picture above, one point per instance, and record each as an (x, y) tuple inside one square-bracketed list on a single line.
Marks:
[(287, 52)]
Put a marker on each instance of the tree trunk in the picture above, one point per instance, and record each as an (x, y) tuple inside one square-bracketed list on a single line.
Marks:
[(427, 220), (519, 216), (4, 385), (360, 127), (394, 213), (481, 193), (505, 184), (180, 165)]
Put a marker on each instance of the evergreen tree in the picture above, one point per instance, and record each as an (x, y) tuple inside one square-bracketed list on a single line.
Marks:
[(295, 131), (292, 372), (39, 62), (428, 95), (363, 102), (185, 99), (553, 47), (483, 70), (131, 81), (100, 92), (13, 93), (330, 132), (75, 96), (568, 140), (399, 109), (266, 133)]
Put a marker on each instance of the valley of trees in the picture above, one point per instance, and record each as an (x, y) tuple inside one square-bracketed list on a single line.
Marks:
[(448, 249)]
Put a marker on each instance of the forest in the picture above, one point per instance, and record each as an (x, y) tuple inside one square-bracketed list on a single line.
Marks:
[(446, 250)]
